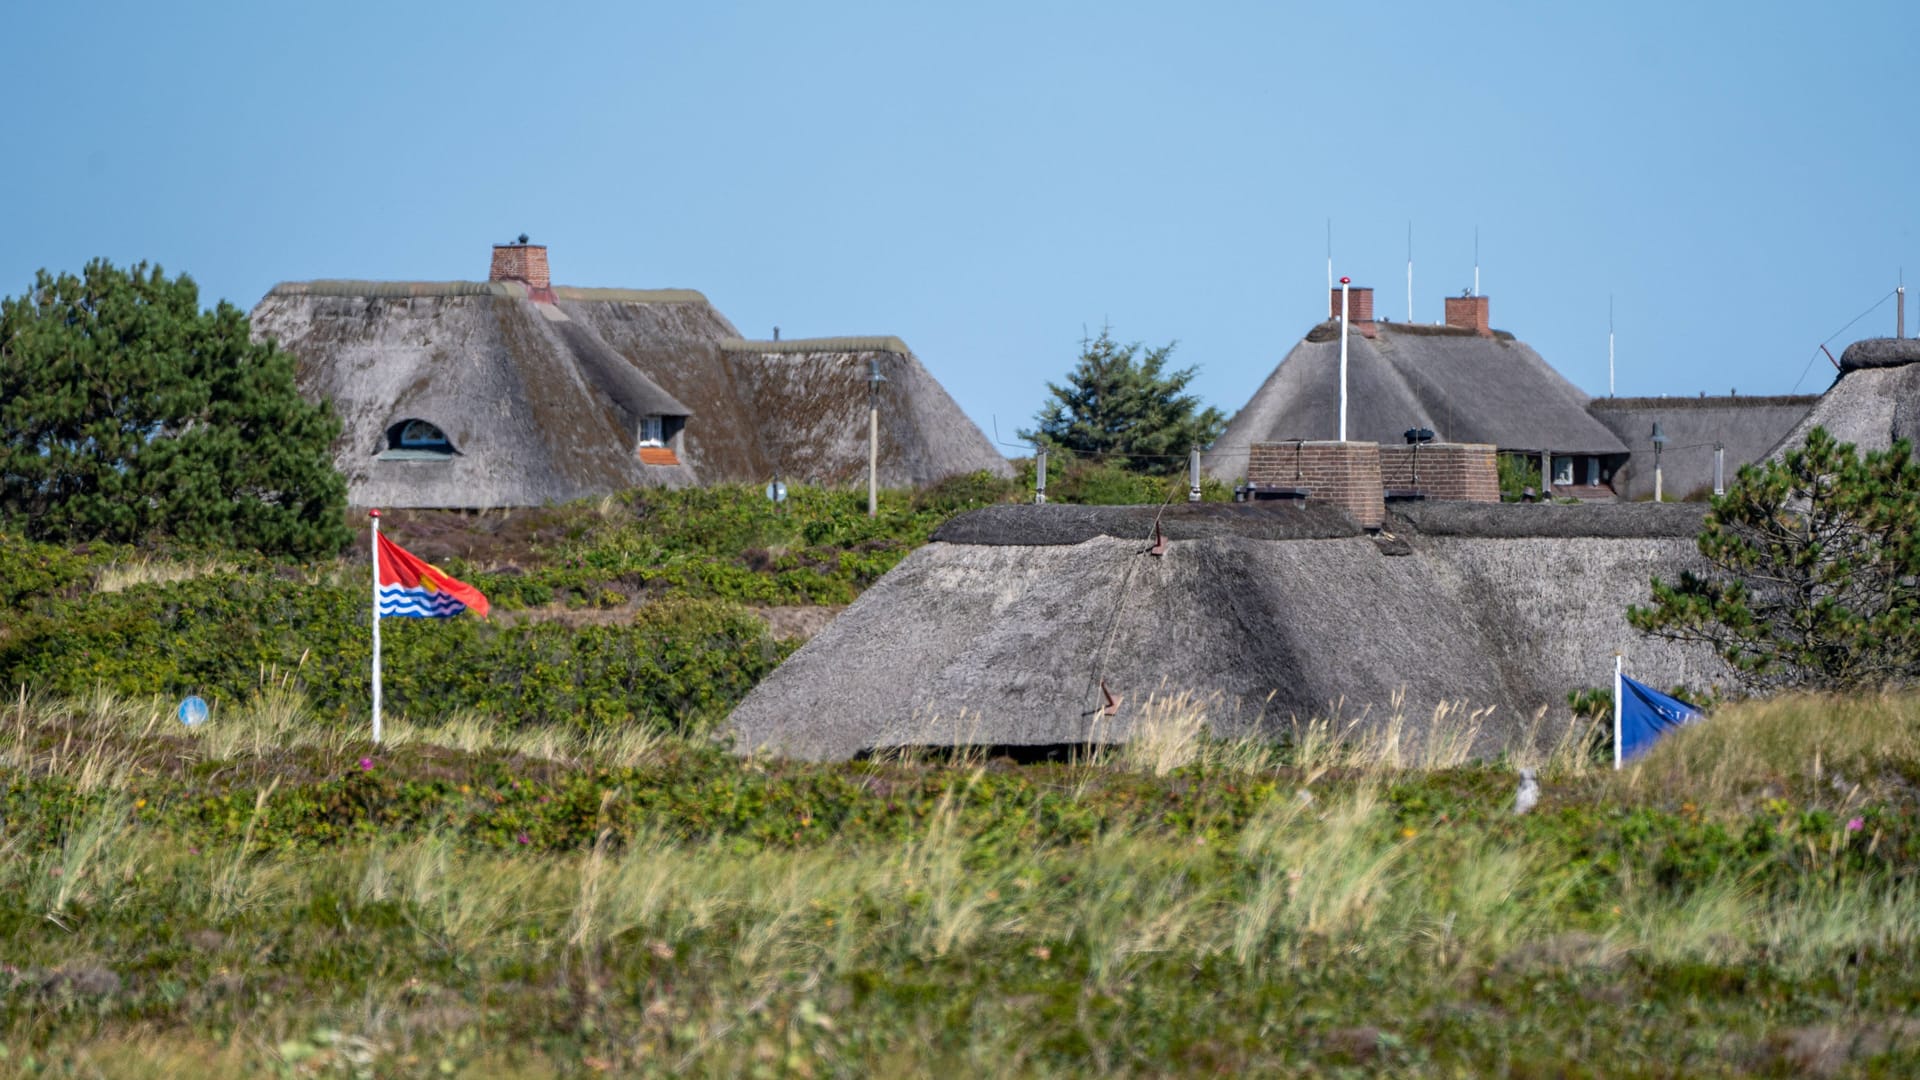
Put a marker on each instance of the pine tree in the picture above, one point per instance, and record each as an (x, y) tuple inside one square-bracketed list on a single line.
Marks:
[(1119, 402), (129, 414), (1816, 571)]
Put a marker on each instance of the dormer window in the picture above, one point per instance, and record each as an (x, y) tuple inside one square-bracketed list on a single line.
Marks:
[(416, 440), (656, 439)]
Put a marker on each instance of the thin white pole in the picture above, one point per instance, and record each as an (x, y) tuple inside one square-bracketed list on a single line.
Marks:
[(1409, 271), (873, 457), (1476, 260), (375, 516), (1617, 687), (1343, 357)]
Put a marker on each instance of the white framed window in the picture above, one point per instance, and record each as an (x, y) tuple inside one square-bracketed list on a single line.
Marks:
[(1563, 472), (652, 431)]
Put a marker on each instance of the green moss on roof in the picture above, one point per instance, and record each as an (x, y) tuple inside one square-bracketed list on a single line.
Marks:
[(888, 344), (396, 289), (349, 287), (630, 296), (1721, 401)]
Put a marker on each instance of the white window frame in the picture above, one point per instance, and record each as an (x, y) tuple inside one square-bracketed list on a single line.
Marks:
[(653, 431)]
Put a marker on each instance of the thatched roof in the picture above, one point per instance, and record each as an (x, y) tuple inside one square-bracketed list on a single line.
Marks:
[(1020, 526), (1464, 387), (543, 401), (812, 396), (1880, 353), (1875, 400), (1748, 427), (1006, 644)]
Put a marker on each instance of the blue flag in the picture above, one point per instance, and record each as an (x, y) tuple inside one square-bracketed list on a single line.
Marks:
[(1645, 715)]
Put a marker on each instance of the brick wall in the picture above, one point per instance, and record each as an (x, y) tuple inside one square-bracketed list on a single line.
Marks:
[(1359, 305), (1460, 471), (521, 262), (1470, 313), (1344, 474)]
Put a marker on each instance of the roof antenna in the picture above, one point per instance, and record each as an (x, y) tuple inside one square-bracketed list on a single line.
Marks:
[(1409, 271), (1329, 254), (1900, 306), (1476, 260)]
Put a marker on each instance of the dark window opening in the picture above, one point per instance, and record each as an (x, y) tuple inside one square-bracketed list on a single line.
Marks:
[(416, 440)]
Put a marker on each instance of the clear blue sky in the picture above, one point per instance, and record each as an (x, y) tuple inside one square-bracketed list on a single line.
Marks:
[(985, 180)]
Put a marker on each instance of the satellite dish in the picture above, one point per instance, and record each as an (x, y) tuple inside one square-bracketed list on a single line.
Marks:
[(776, 492), (192, 711)]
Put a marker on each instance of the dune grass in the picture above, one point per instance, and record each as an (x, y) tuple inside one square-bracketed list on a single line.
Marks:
[(1354, 897)]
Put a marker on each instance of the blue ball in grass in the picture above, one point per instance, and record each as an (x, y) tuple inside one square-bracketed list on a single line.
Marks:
[(192, 711)]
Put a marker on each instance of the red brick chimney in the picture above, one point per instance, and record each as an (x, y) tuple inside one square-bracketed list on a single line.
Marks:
[(1359, 304), (1469, 313), (525, 263)]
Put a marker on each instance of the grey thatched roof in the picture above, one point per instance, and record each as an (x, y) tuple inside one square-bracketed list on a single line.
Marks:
[(1880, 353), (1003, 644), (1747, 427), (1464, 387), (1869, 405), (538, 411), (544, 401), (1512, 521), (1022, 526)]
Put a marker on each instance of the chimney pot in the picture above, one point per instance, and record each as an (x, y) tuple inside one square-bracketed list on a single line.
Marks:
[(525, 263), (1469, 313), (1360, 303)]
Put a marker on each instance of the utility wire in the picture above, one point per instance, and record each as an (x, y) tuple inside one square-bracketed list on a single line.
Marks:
[(1837, 333)]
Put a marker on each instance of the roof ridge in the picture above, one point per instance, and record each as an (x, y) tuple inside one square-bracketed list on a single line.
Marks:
[(880, 343)]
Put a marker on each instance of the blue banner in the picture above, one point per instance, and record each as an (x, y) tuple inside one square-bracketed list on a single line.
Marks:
[(1646, 714)]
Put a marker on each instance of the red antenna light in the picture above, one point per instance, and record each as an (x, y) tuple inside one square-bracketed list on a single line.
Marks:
[(1346, 281)]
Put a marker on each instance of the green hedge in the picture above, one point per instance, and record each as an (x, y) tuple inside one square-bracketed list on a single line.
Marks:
[(680, 664)]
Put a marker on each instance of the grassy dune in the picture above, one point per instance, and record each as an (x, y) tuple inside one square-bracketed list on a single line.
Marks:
[(268, 894)]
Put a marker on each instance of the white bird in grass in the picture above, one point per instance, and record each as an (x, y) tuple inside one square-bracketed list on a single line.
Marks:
[(1529, 793)]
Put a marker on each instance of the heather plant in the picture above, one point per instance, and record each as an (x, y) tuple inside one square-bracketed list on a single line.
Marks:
[(232, 906)]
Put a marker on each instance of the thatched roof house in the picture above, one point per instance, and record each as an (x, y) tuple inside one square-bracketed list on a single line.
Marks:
[(1463, 381), (1003, 629), (517, 392), (1745, 428), (1875, 399)]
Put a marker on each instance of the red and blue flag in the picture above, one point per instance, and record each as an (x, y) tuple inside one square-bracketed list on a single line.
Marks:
[(412, 588)]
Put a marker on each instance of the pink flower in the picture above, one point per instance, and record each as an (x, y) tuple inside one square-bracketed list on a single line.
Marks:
[(1856, 824), (366, 763), (523, 838)]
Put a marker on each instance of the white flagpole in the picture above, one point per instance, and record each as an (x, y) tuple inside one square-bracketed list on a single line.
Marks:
[(1617, 687), (375, 515)]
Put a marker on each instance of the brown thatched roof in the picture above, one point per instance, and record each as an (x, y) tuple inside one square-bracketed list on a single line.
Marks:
[(1464, 387), (813, 394), (1003, 643), (1747, 427), (544, 401)]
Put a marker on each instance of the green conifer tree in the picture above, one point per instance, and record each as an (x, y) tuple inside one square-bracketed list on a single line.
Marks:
[(1815, 578), (127, 414), (1125, 404)]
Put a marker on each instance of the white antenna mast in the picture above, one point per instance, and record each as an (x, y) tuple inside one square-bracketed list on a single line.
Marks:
[(1476, 260), (1409, 271), (1329, 254), (1609, 344)]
